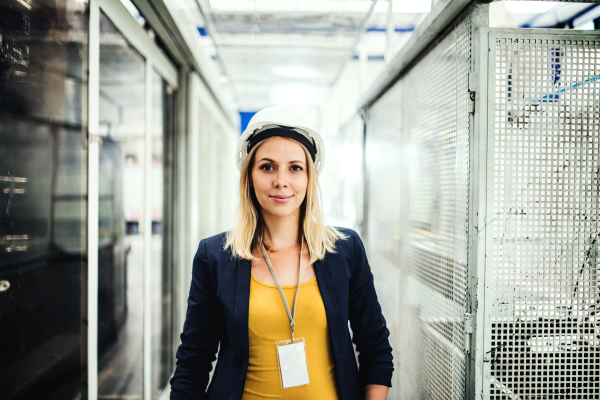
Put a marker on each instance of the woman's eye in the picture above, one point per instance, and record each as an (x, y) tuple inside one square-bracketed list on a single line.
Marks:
[(267, 167), (296, 168)]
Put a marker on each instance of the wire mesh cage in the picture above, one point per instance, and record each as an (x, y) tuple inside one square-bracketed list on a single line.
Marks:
[(417, 180), (541, 275), (515, 145)]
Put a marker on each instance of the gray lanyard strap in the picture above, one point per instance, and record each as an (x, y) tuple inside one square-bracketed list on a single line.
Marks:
[(292, 314)]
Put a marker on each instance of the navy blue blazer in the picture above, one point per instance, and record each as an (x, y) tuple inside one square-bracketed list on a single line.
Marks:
[(217, 315)]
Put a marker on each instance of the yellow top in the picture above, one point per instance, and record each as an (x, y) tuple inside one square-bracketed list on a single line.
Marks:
[(268, 323)]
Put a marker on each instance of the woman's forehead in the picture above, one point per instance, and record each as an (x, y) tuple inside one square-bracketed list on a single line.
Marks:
[(281, 149)]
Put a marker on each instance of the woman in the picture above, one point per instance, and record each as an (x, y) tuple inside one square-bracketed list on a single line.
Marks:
[(274, 295)]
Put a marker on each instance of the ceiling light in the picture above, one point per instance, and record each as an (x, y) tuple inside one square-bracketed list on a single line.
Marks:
[(294, 94), (289, 6), (528, 7), (404, 6), (295, 72)]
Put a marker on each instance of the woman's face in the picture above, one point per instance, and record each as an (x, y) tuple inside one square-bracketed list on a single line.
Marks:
[(279, 176)]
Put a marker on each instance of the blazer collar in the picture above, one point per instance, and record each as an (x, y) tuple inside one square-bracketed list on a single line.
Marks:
[(242, 301)]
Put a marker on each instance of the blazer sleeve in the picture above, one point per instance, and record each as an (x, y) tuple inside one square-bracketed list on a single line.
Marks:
[(201, 333), (369, 330)]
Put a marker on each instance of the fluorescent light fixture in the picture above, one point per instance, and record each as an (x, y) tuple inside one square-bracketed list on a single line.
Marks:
[(404, 6), (289, 6), (381, 6), (295, 72), (411, 6), (294, 94), (528, 7)]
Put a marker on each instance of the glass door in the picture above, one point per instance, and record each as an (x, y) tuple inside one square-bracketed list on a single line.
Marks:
[(135, 135), (120, 225)]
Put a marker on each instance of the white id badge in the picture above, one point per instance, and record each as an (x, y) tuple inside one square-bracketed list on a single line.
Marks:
[(293, 365)]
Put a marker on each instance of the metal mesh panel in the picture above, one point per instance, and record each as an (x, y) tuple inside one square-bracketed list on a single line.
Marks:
[(383, 229), (542, 333), (418, 165)]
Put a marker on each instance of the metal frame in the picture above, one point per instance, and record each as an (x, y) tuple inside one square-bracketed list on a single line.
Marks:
[(477, 201), (147, 221), (172, 14), (139, 39), (155, 59), (180, 203), (93, 200)]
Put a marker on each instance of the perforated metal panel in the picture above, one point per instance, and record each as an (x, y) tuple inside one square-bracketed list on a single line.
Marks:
[(542, 335), (417, 180), (383, 212)]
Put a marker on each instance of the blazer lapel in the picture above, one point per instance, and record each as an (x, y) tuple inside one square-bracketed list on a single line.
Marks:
[(242, 299), (338, 329)]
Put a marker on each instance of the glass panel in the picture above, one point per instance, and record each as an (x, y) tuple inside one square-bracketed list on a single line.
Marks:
[(161, 272), (121, 274), (43, 164)]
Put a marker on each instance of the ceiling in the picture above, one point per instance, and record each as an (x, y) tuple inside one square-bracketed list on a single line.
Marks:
[(274, 51)]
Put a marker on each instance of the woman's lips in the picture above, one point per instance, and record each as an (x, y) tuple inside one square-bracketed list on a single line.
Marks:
[(281, 199)]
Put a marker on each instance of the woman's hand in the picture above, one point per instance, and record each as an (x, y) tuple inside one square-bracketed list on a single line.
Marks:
[(376, 392)]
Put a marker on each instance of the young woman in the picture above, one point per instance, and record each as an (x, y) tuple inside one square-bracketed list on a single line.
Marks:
[(274, 295)]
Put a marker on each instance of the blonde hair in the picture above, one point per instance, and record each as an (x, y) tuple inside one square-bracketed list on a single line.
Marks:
[(247, 232)]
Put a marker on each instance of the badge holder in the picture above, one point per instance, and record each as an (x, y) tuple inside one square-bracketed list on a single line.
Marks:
[(293, 365)]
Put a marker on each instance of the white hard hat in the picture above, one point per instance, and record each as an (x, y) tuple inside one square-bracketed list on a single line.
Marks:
[(282, 121)]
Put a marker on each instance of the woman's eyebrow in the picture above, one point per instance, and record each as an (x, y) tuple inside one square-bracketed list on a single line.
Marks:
[(291, 162)]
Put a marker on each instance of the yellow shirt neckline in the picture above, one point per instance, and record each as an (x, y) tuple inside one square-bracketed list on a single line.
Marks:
[(314, 279)]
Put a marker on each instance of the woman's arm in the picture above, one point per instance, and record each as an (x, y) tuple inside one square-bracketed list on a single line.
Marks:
[(376, 392), (201, 333), (369, 330)]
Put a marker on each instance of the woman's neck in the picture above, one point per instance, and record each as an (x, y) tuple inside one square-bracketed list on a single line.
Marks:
[(282, 232)]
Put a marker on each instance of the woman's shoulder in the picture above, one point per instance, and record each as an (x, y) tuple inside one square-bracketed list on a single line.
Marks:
[(348, 232), (215, 241), (348, 238), (215, 246)]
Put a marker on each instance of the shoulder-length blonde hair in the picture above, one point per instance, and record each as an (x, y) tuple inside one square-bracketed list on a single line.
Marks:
[(248, 230)]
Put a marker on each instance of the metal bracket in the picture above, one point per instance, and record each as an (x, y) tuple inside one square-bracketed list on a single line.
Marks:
[(468, 326), (471, 102), (468, 319)]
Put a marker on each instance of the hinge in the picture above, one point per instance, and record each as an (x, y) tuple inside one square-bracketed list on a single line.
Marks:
[(468, 318), (468, 325), (471, 102)]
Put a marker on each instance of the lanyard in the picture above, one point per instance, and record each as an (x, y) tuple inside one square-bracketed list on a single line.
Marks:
[(292, 314)]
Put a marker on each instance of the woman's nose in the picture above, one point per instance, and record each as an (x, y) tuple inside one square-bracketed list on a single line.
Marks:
[(280, 179)]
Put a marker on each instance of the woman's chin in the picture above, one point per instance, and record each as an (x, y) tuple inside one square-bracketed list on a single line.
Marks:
[(280, 210)]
